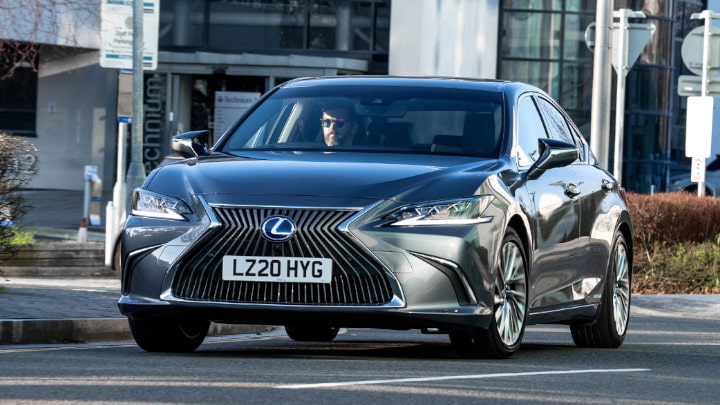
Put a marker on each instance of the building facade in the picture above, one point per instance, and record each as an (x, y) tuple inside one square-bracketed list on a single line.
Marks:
[(217, 56), (542, 42)]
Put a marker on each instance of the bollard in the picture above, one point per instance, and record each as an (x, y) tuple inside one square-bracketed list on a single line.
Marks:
[(95, 200), (93, 190)]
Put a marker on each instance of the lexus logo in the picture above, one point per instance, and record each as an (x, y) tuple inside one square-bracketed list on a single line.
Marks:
[(278, 229)]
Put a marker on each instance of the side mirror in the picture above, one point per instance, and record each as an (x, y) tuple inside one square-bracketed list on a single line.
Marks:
[(553, 153), (191, 144)]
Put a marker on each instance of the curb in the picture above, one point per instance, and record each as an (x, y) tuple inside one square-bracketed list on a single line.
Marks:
[(36, 331)]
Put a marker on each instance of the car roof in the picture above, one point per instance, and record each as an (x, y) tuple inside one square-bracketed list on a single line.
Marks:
[(492, 85)]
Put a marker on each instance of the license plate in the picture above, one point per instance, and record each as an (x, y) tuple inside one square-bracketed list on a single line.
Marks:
[(277, 269)]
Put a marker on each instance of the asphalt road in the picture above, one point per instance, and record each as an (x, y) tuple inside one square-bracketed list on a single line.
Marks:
[(664, 360)]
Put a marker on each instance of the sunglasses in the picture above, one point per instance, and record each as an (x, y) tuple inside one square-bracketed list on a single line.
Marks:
[(339, 123)]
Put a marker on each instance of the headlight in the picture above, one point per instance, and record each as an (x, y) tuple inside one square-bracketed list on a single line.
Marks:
[(453, 212), (153, 205)]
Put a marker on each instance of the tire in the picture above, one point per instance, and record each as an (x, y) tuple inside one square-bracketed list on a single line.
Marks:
[(174, 335), (608, 331), (311, 333), (503, 336)]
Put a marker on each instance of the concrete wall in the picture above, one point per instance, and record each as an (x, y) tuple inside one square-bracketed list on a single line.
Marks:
[(76, 126), (455, 38)]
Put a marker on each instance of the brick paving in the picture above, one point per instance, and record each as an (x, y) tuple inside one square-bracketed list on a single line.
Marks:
[(59, 298)]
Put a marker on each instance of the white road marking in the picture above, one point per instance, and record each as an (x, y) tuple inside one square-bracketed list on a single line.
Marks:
[(459, 377)]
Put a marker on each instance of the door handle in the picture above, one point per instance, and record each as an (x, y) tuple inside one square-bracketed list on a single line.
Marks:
[(608, 185), (572, 191)]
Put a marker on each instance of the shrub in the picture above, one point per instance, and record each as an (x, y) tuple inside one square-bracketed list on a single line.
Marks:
[(677, 243), (17, 165), (674, 218)]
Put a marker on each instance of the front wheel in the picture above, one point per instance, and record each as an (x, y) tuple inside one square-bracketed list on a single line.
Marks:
[(175, 335), (614, 312), (503, 336)]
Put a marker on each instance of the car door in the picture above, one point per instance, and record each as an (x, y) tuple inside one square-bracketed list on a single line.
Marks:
[(599, 216), (589, 184), (553, 209)]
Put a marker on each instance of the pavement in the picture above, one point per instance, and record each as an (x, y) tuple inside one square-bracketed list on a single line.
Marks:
[(51, 309)]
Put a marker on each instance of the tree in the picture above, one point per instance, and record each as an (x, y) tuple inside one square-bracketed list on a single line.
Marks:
[(17, 165), (27, 26)]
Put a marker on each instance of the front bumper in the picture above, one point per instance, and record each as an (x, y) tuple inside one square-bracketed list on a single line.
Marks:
[(426, 278)]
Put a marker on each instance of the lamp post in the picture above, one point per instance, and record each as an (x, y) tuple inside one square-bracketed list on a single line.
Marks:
[(136, 171)]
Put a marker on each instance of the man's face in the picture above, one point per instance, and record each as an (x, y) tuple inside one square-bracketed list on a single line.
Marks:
[(337, 129)]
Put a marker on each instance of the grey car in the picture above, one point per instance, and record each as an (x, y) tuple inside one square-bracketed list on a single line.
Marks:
[(470, 208)]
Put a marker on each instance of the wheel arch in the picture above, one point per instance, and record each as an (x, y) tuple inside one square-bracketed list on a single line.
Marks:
[(625, 229), (520, 226)]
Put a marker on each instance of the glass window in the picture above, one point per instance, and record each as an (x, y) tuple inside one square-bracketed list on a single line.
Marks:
[(530, 129), (18, 95), (649, 7), (580, 5), (533, 35), (182, 24), (642, 91), (574, 46), (556, 124), (399, 120), (533, 4), (545, 75), (576, 86), (256, 25)]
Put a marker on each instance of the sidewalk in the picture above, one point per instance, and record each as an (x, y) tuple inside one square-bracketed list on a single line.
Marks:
[(67, 310)]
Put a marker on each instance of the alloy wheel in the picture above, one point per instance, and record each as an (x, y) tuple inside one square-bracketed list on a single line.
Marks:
[(510, 298), (621, 290)]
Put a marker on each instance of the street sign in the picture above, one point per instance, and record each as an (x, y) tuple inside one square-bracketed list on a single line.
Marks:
[(116, 50), (698, 129), (229, 106), (692, 50), (697, 170), (691, 85), (124, 103), (638, 37)]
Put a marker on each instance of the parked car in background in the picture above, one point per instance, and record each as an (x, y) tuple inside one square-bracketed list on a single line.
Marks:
[(465, 207), (712, 180)]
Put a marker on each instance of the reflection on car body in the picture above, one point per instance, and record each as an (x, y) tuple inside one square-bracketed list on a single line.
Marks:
[(466, 207)]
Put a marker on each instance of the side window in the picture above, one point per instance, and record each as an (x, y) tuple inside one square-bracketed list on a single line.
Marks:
[(530, 129), (580, 142), (557, 126)]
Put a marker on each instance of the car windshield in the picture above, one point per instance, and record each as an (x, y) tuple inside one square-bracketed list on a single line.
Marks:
[(375, 119)]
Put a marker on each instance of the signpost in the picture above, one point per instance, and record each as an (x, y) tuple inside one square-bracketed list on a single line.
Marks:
[(701, 54), (628, 42), (129, 40), (117, 34)]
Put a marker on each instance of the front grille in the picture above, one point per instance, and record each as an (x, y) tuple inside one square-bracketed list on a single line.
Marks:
[(358, 278)]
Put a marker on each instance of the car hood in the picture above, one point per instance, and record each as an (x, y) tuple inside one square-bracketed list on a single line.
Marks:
[(337, 176)]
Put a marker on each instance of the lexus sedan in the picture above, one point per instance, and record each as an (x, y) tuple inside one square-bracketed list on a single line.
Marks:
[(470, 208)]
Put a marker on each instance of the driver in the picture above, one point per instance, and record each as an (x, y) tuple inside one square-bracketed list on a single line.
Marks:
[(339, 125)]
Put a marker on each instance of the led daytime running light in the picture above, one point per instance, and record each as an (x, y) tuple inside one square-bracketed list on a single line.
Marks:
[(148, 204)]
